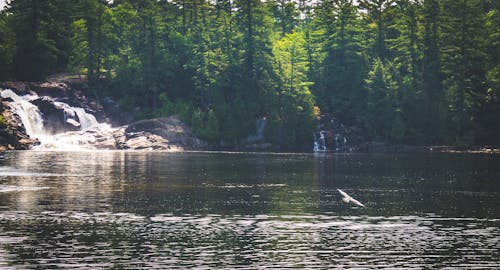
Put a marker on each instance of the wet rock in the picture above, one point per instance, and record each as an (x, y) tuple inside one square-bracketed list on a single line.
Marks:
[(87, 139), (258, 147), (12, 132), (74, 93), (53, 89), (340, 135), (56, 118)]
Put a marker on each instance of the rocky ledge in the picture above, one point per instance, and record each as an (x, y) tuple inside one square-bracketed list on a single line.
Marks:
[(12, 132), (158, 134)]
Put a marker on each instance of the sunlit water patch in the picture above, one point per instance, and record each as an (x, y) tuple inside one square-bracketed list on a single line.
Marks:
[(5, 188), (9, 171)]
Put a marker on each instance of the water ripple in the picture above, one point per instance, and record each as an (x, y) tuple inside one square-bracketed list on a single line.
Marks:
[(106, 239)]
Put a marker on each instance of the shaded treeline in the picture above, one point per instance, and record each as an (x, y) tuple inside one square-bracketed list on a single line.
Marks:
[(415, 72)]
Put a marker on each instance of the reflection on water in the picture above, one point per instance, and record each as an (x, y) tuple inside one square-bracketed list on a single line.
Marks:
[(205, 210)]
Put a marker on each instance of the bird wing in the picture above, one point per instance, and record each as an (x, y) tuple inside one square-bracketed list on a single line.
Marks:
[(343, 193), (350, 199), (356, 202)]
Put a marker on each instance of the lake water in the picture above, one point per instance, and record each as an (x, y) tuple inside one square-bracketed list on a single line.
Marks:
[(147, 210)]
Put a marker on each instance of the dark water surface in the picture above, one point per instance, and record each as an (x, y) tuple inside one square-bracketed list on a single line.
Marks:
[(159, 210)]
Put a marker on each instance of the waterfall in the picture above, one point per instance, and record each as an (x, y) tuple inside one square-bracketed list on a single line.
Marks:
[(319, 142), (90, 134), (340, 141), (87, 120), (29, 113)]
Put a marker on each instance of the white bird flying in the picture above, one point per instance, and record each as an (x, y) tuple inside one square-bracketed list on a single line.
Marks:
[(348, 199)]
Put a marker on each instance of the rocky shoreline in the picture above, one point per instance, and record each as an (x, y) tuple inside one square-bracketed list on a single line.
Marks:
[(378, 147), (168, 134)]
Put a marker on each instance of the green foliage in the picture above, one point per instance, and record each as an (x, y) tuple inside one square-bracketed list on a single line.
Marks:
[(294, 115), (462, 55), (419, 72), (207, 129), (382, 114), (42, 37), (7, 47), (340, 86), (3, 121)]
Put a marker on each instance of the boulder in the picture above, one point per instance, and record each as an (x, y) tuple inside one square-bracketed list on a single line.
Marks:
[(12, 132), (56, 118), (142, 141), (86, 139), (158, 134)]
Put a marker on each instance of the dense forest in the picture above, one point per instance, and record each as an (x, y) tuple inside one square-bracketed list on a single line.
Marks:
[(405, 71)]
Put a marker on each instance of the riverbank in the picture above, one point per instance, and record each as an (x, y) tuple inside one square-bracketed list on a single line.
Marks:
[(170, 133), (378, 147)]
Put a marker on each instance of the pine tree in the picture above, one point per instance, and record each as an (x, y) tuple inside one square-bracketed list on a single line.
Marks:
[(286, 15), (463, 64), (295, 100), (377, 13), (344, 66), (36, 55), (382, 116), (489, 113), (433, 102), (7, 47)]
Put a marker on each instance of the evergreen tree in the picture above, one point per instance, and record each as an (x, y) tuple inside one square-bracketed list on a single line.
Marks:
[(295, 101), (377, 13), (433, 98), (7, 47), (463, 64), (489, 113), (343, 68), (382, 117), (408, 71), (286, 15), (36, 55)]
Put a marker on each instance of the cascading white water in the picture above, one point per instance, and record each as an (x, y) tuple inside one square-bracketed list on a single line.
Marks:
[(91, 135), (87, 120), (29, 113), (319, 142)]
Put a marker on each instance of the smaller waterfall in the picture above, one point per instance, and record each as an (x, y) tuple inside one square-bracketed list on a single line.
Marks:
[(340, 141), (90, 134), (319, 142), (87, 120)]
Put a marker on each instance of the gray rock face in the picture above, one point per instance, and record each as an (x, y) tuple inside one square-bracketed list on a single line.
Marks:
[(12, 132), (56, 118), (158, 134)]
